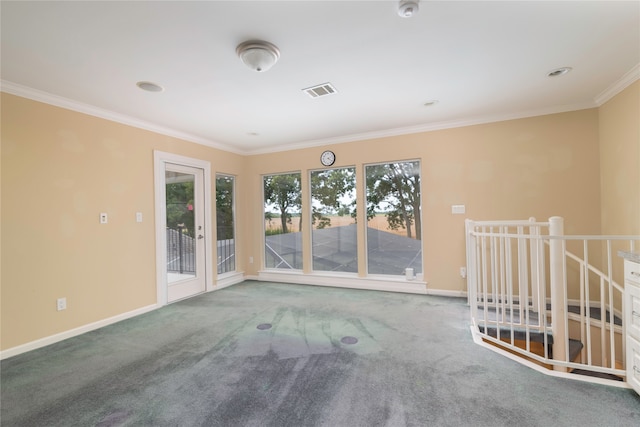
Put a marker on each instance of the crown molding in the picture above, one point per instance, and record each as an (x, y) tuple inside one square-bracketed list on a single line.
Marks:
[(428, 127), (69, 104), (624, 82), (58, 101)]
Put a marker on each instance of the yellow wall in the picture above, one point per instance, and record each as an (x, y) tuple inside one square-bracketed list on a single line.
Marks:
[(620, 167), (620, 162), (60, 169), (541, 166)]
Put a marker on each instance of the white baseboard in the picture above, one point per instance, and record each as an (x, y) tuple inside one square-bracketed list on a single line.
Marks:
[(52, 339), (224, 281), (372, 283), (345, 281), (229, 279), (444, 293), (550, 372)]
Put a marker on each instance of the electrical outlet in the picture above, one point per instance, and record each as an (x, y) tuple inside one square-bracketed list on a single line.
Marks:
[(138, 216), (61, 304), (103, 218), (250, 260), (463, 272)]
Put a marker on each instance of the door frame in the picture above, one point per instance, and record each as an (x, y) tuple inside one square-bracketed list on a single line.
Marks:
[(160, 160)]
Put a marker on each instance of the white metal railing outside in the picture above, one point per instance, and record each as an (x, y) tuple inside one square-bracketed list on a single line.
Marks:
[(529, 294)]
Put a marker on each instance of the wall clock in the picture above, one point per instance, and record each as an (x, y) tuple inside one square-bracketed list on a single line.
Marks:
[(327, 158)]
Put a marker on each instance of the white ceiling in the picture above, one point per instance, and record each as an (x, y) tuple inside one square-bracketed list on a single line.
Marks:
[(483, 61)]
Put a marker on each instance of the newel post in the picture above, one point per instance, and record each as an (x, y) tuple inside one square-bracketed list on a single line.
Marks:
[(472, 299), (558, 303)]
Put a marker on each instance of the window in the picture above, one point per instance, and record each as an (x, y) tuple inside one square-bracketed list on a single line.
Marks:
[(282, 209), (225, 223), (181, 230), (393, 218), (334, 234)]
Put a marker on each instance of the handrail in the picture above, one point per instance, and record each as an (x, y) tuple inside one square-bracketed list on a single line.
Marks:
[(507, 287), (591, 267), (511, 223), (596, 237)]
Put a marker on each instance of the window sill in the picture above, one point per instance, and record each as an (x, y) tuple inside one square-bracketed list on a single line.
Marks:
[(346, 280)]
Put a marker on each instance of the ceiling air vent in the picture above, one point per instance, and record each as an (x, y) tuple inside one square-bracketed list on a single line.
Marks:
[(320, 90)]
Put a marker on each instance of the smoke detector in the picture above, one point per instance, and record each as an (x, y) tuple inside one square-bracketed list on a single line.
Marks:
[(408, 8)]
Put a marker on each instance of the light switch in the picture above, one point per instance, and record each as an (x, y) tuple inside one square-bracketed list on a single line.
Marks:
[(458, 209), (138, 216), (103, 218)]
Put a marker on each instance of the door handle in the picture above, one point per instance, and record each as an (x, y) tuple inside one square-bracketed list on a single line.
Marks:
[(200, 236)]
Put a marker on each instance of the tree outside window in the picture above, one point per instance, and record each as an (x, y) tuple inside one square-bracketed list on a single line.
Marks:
[(225, 223), (394, 226), (334, 233), (180, 205), (282, 217)]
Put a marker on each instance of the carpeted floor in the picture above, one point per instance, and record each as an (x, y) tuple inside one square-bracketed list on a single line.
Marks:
[(267, 354)]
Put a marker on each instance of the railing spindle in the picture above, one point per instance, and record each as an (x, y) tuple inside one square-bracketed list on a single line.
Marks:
[(491, 252), (612, 344)]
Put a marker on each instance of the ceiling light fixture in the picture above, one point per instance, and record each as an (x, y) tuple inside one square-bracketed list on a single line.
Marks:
[(258, 55), (408, 8), (559, 72), (150, 87)]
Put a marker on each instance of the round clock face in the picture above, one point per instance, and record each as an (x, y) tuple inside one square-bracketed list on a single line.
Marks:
[(328, 158)]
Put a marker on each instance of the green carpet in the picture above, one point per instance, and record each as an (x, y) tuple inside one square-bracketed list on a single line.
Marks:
[(205, 362)]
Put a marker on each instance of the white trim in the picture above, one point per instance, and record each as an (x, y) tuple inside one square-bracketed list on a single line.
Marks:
[(52, 339), (48, 98), (229, 279), (235, 228), (427, 127), (160, 224), (445, 293), (624, 82), (477, 339), (160, 158), (342, 281), (435, 292), (70, 104)]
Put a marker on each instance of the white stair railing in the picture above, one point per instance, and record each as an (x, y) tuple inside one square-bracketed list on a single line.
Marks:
[(530, 295)]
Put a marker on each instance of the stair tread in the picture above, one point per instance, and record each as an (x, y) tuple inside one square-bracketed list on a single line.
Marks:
[(597, 374), (575, 346), (518, 334), (595, 313)]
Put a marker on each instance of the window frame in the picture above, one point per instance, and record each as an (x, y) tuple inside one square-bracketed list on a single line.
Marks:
[(418, 275), (234, 219), (264, 230), (310, 219)]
